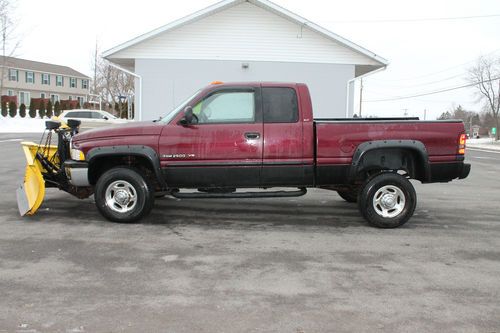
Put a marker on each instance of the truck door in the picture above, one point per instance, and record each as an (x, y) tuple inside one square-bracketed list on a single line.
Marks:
[(283, 163), (224, 147)]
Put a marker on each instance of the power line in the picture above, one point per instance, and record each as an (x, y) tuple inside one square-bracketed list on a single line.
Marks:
[(394, 85), (432, 92), (434, 73), (424, 19)]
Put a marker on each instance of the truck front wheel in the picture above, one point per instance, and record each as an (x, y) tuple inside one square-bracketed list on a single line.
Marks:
[(123, 195), (387, 200)]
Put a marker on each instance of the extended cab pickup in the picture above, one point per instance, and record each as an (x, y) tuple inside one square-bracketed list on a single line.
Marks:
[(229, 137)]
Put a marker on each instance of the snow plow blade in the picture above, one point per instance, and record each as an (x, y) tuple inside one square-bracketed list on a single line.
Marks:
[(31, 193)]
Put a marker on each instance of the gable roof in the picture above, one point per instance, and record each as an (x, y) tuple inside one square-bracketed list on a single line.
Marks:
[(37, 66), (265, 4)]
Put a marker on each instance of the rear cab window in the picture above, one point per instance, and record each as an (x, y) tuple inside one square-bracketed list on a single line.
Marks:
[(280, 105)]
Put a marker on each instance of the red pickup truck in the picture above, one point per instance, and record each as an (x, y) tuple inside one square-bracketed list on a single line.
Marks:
[(230, 137)]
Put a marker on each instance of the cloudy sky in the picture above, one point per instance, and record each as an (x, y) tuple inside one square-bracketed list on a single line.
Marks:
[(430, 43)]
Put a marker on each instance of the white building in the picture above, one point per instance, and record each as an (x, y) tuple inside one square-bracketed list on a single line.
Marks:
[(237, 41)]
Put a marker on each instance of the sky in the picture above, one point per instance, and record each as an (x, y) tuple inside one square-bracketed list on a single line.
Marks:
[(430, 44)]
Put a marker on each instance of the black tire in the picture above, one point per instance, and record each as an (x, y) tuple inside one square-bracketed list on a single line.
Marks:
[(349, 196), (400, 192), (132, 182)]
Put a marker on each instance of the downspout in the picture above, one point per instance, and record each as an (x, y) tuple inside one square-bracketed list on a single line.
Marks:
[(354, 80), (139, 106)]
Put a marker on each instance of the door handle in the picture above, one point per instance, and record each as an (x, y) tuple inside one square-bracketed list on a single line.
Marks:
[(252, 135)]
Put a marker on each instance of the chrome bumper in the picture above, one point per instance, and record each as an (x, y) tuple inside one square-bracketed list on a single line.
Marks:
[(77, 173)]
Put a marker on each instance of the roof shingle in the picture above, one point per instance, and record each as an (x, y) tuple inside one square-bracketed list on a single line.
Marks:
[(40, 66)]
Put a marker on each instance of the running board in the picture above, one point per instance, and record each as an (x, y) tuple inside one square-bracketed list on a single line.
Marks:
[(275, 194)]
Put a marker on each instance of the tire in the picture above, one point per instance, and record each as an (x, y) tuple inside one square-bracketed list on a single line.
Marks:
[(123, 195), (387, 200), (349, 196)]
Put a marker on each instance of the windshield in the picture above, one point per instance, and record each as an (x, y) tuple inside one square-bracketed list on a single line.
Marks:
[(179, 108)]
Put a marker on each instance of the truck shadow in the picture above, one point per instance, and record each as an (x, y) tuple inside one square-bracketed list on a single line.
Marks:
[(255, 212), (304, 212)]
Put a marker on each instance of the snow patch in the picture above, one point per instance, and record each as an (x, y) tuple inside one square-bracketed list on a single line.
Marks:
[(169, 258), (21, 125), (484, 143)]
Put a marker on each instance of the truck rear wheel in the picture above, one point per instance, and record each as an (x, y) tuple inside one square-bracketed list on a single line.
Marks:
[(387, 200), (123, 195)]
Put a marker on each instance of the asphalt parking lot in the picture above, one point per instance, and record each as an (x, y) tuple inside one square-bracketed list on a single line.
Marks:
[(307, 264)]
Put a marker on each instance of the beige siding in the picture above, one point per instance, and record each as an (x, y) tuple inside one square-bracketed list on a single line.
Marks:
[(248, 32), (37, 87)]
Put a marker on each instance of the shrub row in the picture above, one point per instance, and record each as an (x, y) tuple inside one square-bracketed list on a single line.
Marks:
[(43, 109)]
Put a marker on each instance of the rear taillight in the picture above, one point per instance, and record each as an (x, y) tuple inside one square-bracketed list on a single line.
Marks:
[(461, 144)]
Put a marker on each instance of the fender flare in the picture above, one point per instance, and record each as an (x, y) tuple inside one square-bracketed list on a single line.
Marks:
[(131, 150), (412, 145)]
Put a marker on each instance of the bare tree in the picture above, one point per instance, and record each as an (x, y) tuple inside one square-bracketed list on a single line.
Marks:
[(486, 73), (109, 82), (8, 40)]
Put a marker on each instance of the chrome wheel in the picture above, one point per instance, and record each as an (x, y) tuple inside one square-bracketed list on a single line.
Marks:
[(389, 201), (121, 196)]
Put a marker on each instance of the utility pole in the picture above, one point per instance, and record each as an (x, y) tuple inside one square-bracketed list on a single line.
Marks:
[(360, 97), (425, 114)]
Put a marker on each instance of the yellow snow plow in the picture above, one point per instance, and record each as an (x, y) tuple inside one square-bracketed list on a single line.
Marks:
[(44, 166), (31, 193)]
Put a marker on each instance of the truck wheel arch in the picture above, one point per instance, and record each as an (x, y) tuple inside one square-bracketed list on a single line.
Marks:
[(100, 156), (391, 155)]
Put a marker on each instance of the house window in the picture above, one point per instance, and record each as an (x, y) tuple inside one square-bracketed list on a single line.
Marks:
[(45, 78), (54, 98), (70, 97), (85, 84), (59, 80), (10, 92), (81, 101), (42, 95), (13, 75), (24, 98), (30, 77), (72, 82)]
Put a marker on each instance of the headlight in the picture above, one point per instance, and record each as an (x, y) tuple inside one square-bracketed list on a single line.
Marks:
[(76, 154)]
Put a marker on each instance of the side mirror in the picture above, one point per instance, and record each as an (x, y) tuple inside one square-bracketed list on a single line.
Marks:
[(188, 116), (105, 118)]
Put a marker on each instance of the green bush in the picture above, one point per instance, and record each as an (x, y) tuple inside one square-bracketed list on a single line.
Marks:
[(57, 109), (12, 109), (32, 111), (4, 109), (49, 109), (41, 110), (22, 110)]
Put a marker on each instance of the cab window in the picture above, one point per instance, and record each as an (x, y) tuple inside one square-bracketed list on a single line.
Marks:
[(226, 107), (280, 105)]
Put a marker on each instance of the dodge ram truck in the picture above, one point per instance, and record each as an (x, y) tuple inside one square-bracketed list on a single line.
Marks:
[(241, 140)]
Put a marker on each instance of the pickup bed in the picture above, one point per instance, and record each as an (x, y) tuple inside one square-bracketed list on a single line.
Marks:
[(229, 137)]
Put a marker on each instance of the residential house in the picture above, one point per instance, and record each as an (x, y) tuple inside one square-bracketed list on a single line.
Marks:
[(243, 40), (28, 79)]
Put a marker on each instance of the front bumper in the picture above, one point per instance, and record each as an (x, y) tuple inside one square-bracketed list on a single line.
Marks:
[(77, 172)]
